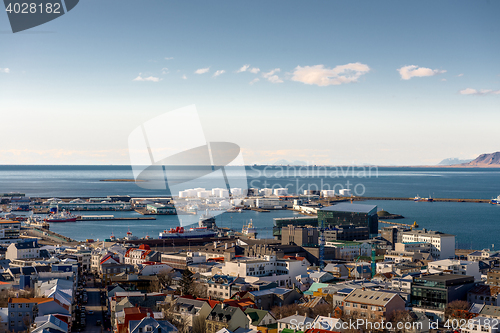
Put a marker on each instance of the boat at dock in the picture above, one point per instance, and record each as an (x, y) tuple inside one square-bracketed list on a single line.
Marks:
[(37, 222), (63, 216), (248, 229), (180, 232), (496, 201)]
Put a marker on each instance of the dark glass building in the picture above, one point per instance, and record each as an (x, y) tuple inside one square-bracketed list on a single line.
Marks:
[(435, 291), (358, 215)]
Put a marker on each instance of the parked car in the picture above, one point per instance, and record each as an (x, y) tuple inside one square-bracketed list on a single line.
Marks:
[(98, 322)]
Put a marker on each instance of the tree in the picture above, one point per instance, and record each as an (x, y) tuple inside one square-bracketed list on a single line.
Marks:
[(401, 316), (457, 309), (187, 282), (165, 277), (198, 325)]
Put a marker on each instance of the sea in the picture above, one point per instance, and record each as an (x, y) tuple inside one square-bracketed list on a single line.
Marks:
[(476, 225)]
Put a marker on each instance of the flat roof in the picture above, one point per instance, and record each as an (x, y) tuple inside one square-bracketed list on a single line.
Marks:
[(350, 207)]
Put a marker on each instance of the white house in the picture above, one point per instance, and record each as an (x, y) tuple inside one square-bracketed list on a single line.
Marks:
[(461, 267)]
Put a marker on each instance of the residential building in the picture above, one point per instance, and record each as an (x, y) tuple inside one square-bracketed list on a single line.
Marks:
[(23, 250), (435, 291), (481, 325), (442, 245), (135, 256), (393, 234), (294, 323), (259, 318), (150, 325), (493, 277), (373, 305), (282, 271), (228, 317), (22, 312), (219, 286), (181, 260), (460, 267), (268, 298), (484, 294), (187, 310), (348, 250)]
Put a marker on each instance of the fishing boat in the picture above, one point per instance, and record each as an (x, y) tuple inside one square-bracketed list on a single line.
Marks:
[(180, 232), (417, 198), (248, 229), (37, 221), (64, 216)]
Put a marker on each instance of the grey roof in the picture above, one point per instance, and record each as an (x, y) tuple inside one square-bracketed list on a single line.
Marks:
[(277, 291), (219, 312), (371, 297), (27, 245), (348, 207)]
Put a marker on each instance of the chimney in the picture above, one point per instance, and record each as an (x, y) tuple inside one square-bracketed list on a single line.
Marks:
[(148, 314)]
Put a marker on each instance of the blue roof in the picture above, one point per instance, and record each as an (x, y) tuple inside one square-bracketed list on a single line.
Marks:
[(345, 291), (348, 207)]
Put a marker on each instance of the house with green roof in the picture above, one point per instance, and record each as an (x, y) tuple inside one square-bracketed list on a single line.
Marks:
[(259, 318)]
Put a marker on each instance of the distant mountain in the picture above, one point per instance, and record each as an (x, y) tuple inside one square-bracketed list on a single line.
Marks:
[(486, 160), (285, 162), (453, 161)]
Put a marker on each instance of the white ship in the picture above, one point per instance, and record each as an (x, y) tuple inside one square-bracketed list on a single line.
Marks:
[(496, 201), (248, 229)]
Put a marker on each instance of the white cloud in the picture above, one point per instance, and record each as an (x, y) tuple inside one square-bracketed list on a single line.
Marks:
[(4, 70), (169, 58), (254, 80), (459, 75), (164, 70), (321, 76), (272, 77), (184, 77), (243, 68), (219, 72), (444, 80), (254, 70), (471, 91), (407, 72), (202, 70), (149, 78)]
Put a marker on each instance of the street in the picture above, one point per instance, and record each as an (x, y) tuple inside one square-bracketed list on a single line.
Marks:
[(94, 308)]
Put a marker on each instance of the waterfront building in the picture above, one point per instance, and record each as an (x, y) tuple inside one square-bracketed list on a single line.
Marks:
[(9, 231), (161, 209), (435, 291), (442, 245), (296, 221), (358, 215), (373, 305)]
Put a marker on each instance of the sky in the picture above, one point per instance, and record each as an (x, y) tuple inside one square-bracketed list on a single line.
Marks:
[(325, 82)]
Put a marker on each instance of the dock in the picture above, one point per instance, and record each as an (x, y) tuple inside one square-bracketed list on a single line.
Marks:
[(260, 210), (414, 225), (112, 218), (413, 199)]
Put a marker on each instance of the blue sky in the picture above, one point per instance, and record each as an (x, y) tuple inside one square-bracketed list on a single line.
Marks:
[(68, 94)]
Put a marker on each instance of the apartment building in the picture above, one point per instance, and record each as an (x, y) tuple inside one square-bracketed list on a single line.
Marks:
[(442, 245), (372, 305)]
